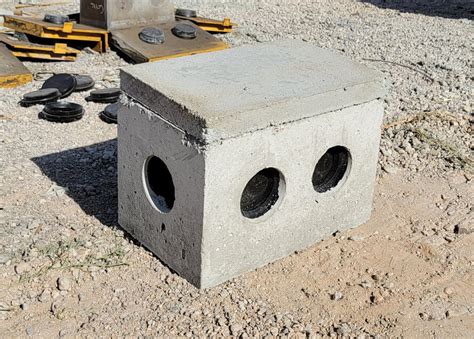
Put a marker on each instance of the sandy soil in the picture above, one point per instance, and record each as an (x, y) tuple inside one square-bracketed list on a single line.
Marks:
[(68, 270)]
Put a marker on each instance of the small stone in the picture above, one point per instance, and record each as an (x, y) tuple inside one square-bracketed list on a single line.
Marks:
[(424, 316), (336, 296), (57, 191), (235, 329), (375, 277), (64, 284), (25, 306), (22, 268), (343, 330), (4, 258), (448, 291), (33, 225), (456, 311), (464, 227), (356, 238), (44, 296), (274, 331), (390, 169)]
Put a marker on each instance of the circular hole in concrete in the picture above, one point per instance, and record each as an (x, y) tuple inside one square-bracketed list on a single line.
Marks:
[(261, 193), (331, 169), (159, 186)]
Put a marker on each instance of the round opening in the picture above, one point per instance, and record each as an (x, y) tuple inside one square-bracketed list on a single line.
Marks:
[(159, 185), (261, 193), (331, 169)]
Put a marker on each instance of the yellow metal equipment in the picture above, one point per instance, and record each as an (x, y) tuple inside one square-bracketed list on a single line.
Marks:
[(26, 49), (68, 31), (128, 41), (12, 72), (211, 25)]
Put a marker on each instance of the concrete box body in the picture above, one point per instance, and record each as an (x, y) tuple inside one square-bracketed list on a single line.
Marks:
[(211, 157), (118, 14)]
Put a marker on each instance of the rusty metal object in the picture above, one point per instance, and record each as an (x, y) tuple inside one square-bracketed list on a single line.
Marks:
[(68, 31), (26, 49), (128, 41), (12, 72)]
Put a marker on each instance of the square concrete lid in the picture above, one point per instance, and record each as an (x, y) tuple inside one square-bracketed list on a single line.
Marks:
[(224, 94)]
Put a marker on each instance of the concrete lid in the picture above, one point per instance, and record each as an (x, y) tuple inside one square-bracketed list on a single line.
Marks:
[(227, 93)]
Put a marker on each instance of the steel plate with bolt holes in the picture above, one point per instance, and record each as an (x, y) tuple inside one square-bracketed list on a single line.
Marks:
[(128, 41)]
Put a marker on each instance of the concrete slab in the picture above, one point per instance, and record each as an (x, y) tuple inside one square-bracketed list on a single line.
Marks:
[(227, 93), (212, 204)]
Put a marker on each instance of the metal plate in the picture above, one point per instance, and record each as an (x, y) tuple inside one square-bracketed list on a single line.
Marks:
[(12, 72), (69, 31), (26, 49), (128, 42), (210, 25)]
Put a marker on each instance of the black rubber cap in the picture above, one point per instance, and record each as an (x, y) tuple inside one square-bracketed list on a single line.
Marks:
[(84, 83), (260, 193), (107, 95), (65, 83), (109, 115), (62, 111), (40, 97), (330, 169), (188, 13), (56, 19), (152, 35), (184, 31)]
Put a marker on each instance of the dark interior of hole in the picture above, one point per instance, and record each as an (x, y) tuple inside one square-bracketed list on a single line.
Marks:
[(260, 193), (160, 181), (330, 169)]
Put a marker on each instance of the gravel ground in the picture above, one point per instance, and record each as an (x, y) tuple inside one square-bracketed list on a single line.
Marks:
[(68, 270)]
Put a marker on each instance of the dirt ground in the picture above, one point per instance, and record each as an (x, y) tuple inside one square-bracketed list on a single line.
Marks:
[(68, 270)]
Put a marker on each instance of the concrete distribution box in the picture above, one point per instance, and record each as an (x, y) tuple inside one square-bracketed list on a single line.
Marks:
[(118, 14), (233, 159)]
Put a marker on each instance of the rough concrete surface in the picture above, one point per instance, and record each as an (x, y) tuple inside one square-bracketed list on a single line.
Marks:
[(227, 93), (67, 270), (118, 14)]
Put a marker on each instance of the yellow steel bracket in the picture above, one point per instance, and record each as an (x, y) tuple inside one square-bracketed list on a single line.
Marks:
[(68, 31), (12, 71), (26, 49), (211, 25)]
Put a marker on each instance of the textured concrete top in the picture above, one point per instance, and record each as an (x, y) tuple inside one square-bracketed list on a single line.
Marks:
[(223, 94)]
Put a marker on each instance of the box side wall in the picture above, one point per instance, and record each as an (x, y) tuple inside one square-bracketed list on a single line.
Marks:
[(175, 237), (118, 14), (233, 244)]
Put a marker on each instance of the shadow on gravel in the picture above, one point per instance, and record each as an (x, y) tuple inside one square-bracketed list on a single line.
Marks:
[(89, 175), (453, 9)]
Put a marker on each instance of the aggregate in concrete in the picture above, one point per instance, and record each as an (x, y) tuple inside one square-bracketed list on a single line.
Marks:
[(213, 148)]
